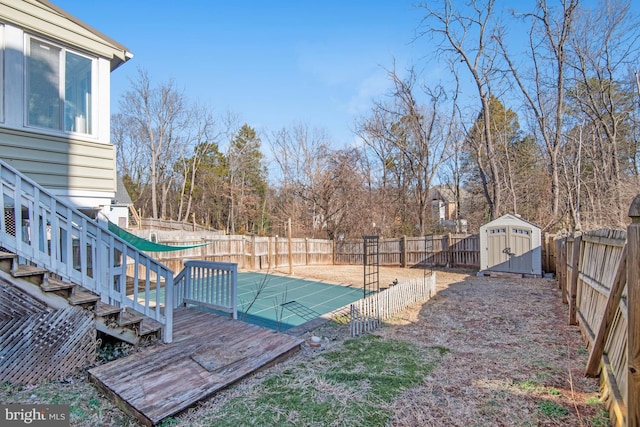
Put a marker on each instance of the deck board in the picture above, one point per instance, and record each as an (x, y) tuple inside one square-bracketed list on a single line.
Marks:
[(208, 353)]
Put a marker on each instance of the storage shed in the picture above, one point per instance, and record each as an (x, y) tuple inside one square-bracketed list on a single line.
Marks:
[(511, 244)]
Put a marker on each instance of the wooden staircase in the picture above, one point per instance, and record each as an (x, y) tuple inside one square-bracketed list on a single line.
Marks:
[(123, 324)]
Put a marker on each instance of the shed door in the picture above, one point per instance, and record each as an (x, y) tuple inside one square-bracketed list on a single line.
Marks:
[(509, 249), (521, 259), (497, 241)]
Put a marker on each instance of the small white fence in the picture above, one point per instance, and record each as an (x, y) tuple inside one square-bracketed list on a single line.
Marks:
[(366, 314)]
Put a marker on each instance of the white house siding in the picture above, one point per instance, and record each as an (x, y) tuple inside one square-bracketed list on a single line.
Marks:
[(73, 169), (81, 168)]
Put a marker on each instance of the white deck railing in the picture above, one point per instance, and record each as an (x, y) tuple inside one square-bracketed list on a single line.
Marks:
[(208, 284), (51, 234)]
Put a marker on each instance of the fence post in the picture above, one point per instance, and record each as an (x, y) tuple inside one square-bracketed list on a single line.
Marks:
[(334, 247), (253, 252), (289, 247), (561, 262), (547, 252), (573, 286), (403, 251), (633, 310), (306, 251)]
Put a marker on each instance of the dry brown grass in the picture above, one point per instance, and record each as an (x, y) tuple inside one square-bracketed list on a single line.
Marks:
[(512, 360)]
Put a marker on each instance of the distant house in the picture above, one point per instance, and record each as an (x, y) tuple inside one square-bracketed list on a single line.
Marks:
[(55, 91), (120, 205), (444, 204)]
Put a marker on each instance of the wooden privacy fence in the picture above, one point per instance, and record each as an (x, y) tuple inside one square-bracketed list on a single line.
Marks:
[(448, 250), (263, 253), (165, 224), (366, 314), (599, 275)]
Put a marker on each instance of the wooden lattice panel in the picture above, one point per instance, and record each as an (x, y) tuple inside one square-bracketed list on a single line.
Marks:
[(15, 303), (46, 346)]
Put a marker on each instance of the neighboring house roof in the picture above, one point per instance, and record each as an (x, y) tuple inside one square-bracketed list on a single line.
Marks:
[(122, 195), (51, 21), (446, 193)]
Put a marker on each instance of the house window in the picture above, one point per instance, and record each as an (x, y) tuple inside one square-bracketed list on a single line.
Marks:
[(58, 88)]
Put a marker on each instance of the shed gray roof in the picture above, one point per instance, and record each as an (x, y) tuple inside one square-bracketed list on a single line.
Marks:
[(510, 217)]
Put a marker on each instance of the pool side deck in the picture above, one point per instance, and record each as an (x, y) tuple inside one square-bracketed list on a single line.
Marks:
[(208, 353)]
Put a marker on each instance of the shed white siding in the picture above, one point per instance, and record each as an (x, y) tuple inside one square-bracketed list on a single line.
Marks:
[(511, 244)]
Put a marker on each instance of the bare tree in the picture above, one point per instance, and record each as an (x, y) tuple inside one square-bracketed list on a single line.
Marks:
[(158, 114), (548, 38), (604, 47), (573, 175), (301, 154), (453, 157), (202, 136), (467, 37), (132, 159), (411, 141)]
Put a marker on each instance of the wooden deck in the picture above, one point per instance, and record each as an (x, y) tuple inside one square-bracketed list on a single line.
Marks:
[(208, 353)]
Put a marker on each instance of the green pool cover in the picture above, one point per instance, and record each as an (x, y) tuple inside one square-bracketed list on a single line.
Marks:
[(283, 302), (147, 245)]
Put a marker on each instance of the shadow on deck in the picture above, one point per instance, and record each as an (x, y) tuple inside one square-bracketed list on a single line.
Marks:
[(209, 353)]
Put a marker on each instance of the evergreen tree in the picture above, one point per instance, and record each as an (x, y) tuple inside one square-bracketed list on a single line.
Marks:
[(247, 184)]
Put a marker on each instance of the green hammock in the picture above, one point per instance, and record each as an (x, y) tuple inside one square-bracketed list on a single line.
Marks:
[(147, 245)]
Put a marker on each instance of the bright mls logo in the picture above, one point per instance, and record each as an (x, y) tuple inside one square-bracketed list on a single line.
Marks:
[(34, 415)]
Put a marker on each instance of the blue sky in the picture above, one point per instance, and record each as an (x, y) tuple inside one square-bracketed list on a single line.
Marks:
[(274, 63)]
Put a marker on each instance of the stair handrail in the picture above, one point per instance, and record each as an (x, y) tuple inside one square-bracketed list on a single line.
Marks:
[(50, 233), (208, 284)]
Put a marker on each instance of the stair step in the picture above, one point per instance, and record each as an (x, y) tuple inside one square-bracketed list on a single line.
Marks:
[(25, 270), (7, 259), (127, 319), (103, 309), (80, 297), (149, 326), (52, 284), (7, 255)]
